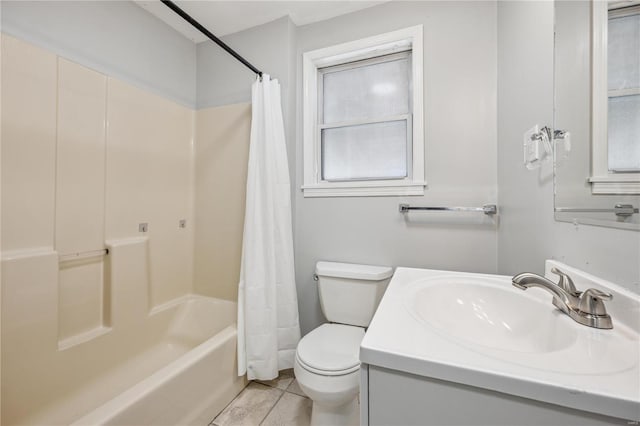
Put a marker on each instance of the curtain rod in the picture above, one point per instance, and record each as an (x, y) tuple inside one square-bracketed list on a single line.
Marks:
[(171, 5)]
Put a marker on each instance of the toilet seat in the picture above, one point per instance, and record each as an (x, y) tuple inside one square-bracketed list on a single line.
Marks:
[(331, 350)]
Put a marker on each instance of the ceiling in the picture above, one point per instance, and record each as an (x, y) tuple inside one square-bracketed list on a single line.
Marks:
[(227, 17)]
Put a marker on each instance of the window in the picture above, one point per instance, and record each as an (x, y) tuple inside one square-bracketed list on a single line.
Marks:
[(616, 98), (363, 117)]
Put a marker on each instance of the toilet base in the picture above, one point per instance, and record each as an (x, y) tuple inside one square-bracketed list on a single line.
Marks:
[(343, 415), (335, 398)]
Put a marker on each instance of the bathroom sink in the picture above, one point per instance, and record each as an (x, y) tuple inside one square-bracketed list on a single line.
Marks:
[(489, 313), (481, 331)]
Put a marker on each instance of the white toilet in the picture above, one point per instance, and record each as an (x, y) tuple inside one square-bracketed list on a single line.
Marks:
[(327, 364)]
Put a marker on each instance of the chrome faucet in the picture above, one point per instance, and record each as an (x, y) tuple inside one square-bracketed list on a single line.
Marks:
[(585, 308)]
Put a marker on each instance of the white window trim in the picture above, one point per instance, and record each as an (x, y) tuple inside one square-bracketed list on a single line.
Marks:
[(383, 44), (602, 181)]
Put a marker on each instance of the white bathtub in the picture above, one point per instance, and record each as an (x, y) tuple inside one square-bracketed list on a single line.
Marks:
[(177, 367), (173, 364), (194, 387)]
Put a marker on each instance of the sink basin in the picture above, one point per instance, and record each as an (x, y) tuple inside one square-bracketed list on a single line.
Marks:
[(489, 313), (486, 314)]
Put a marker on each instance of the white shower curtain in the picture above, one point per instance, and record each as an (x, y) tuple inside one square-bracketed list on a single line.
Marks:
[(268, 326)]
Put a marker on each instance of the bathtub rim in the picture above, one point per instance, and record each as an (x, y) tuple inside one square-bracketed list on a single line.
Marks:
[(137, 392)]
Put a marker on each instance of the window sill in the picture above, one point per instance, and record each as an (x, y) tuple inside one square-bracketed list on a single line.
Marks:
[(621, 185), (364, 189)]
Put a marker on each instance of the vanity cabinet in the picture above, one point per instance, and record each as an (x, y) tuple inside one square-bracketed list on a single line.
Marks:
[(390, 397)]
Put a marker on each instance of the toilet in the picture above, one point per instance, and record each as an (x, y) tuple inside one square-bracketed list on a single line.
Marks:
[(327, 364)]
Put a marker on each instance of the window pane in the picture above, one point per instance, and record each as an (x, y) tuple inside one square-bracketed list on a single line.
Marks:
[(624, 52), (624, 133), (370, 91), (368, 151)]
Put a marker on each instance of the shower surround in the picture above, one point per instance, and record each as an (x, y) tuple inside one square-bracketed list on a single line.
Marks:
[(99, 320)]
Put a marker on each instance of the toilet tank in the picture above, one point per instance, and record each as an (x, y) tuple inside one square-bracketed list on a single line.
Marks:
[(350, 293)]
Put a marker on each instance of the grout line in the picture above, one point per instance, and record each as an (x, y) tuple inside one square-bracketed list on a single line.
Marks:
[(283, 391), (289, 385), (225, 407), (272, 407), (212, 423), (293, 393), (55, 168)]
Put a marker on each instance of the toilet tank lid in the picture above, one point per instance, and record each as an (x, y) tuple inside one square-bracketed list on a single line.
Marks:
[(353, 271)]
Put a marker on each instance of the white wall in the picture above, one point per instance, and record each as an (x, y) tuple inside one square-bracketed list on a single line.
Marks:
[(460, 132), (116, 38), (528, 233)]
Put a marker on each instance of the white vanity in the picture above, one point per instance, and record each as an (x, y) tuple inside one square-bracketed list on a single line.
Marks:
[(447, 348)]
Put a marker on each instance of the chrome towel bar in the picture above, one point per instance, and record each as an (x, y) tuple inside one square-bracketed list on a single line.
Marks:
[(488, 209), (82, 255), (623, 210)]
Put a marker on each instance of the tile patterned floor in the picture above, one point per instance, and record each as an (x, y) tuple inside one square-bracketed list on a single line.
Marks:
[(278, 402)]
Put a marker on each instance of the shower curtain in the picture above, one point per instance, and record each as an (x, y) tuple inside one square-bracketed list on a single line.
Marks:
[(268, 326)]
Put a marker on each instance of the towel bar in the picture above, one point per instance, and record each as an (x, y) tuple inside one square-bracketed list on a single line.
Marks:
[(82, 255), (622, 210), (488, 209)]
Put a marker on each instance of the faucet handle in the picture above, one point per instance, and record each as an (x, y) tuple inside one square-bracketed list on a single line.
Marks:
[(566, 283), (591, 302)]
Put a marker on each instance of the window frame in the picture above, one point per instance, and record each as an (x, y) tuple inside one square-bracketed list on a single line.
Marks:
[(322, 125), (408, 39), (602, 180)]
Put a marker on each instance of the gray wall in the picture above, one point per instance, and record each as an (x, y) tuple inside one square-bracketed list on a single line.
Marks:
[(528, 233), (460, 77), (460, 135), (222, 80), (116, 38), (481, 93)]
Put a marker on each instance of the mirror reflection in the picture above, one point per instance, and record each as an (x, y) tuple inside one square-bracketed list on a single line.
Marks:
[(597, 103)]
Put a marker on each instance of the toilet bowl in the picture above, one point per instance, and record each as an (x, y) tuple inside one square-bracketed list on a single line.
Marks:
[(327, 368), (327, 363)]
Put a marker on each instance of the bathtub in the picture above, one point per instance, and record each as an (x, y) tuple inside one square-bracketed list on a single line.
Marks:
[(199, 380), (173, 363), (177, 367)]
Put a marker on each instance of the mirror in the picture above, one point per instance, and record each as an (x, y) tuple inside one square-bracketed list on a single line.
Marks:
[(597, 104)]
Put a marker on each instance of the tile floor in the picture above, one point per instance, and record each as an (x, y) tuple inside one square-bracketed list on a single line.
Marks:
[(278, 402)]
